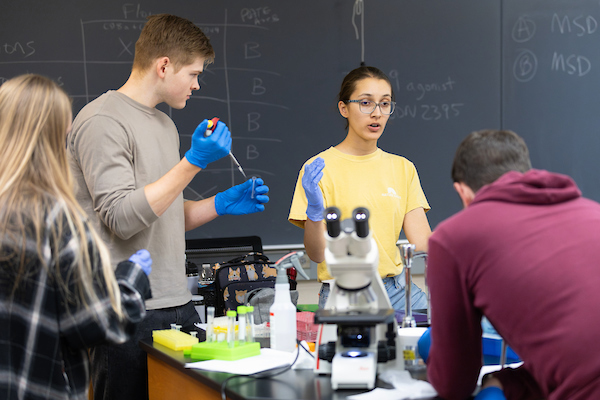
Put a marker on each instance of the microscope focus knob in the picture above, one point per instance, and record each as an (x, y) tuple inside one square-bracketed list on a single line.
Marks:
[(327, 351), (385, 352)]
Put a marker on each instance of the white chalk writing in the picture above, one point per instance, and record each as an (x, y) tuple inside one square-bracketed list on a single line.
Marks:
[(572, 64), (428, 112), (251, 50), (253, 124), (122, 26), (18, 49), (134, 11), (523, 30), (424, 88), (258, 15), (580, 25), (525, 65)]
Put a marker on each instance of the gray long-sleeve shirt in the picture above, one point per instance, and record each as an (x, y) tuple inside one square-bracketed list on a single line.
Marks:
[(116, 147)]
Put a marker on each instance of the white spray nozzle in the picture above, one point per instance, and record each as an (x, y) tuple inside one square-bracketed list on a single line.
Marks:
[(290, 260)]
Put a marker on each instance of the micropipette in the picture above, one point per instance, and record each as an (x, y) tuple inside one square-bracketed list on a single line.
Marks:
[(212, 124)]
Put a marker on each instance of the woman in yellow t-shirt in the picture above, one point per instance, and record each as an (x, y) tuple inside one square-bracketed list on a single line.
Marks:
[(356, 173)]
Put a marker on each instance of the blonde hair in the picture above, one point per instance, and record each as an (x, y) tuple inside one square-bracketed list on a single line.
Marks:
[(35, 182), (170, 36)]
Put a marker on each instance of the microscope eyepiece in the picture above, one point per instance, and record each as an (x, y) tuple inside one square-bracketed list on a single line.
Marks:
[(332, 221), (361, 221)]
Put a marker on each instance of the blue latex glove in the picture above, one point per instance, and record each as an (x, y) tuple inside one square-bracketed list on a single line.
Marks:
[(238, 200), (143, 259), (313, 173), (491, 393), (205, 150), (424, 344)]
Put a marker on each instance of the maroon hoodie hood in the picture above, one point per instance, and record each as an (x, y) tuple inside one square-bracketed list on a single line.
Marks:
[(532, 187)]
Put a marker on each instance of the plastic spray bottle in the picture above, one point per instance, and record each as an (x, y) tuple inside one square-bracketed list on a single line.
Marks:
[(283, 312)]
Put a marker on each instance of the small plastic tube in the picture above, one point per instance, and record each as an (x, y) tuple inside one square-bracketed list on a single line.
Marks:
[(241, 325), (210, 316), (250, 334), (231, 328), (253, 185)]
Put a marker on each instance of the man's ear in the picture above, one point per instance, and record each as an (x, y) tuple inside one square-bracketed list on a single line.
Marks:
[(162, 64), (465, 193)]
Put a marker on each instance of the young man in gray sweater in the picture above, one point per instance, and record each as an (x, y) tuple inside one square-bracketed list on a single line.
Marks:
[(129, 178)]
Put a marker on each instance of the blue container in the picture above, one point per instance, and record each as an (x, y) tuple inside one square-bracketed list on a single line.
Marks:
[(492, 347)]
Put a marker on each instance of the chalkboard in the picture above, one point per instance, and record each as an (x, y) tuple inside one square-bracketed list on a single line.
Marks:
[(551, 85), (278, 68)]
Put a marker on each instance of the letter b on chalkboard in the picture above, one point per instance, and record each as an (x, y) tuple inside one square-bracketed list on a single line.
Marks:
[(257, 87), (253, 124), (251, 50)]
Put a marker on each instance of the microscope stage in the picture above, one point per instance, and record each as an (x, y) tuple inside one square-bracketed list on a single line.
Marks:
[(355, 317)]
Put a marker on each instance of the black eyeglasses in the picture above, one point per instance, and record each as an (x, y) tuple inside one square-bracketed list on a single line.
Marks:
[(367, 106)]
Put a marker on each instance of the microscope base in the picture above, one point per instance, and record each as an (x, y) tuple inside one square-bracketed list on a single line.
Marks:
[(353, 372)]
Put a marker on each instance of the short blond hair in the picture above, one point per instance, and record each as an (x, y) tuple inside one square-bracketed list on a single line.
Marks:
[(166, 35)]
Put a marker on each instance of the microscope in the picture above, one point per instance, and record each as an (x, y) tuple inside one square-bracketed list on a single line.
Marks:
[(358, 334)]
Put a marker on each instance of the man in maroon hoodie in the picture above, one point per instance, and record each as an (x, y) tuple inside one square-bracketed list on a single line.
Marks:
[(524, 252)]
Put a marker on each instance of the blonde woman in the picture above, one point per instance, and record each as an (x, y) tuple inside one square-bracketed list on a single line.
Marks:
[(58, 292)]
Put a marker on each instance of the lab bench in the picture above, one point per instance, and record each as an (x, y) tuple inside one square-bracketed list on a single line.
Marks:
[(169, 379)]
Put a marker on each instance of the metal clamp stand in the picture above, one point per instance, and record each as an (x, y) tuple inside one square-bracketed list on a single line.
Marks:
[(406, 252), (423, 255), (503, 354)]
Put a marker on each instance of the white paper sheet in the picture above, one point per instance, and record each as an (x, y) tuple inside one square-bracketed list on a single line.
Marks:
[(486, 369), (267, 359)]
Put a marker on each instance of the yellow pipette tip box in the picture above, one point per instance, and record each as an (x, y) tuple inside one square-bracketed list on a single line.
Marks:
[(174, 339), (221, 351)]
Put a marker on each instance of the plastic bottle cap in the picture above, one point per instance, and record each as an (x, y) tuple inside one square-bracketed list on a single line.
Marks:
[(231, 313), (249, 308), (242, 310)]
